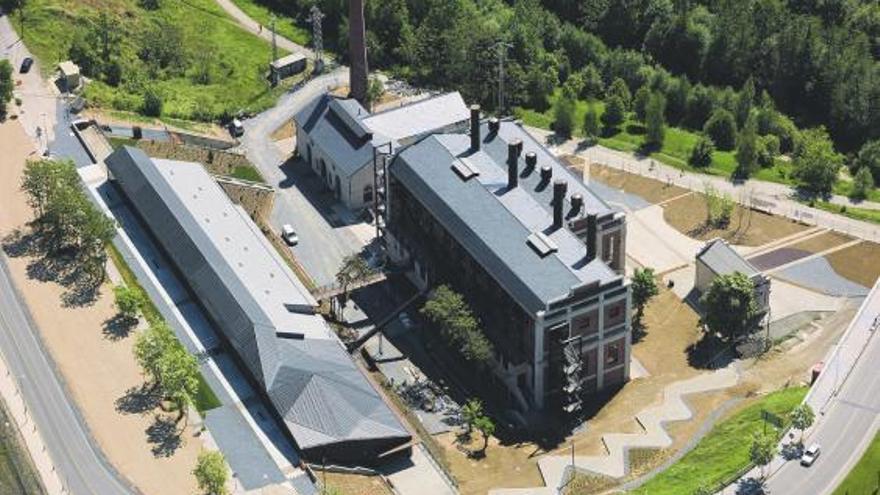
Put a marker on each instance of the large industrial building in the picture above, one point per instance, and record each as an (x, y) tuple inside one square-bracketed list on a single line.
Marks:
[(538, 256), (330, 408), (337, 138)]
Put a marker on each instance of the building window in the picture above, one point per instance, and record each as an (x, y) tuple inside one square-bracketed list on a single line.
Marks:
[(612, 355), (368, 193), (614, 312)]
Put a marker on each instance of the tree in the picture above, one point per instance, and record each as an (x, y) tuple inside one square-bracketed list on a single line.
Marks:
[(815, 163), (721, 127), (744, 101), (6, 85), (700, 106), (591, 127), (869, 157), (152, 105), (211, 473), (644, 287), (763, 450), (614, 112), (447, 310), (128, 301), (747, 149), (375, 90), (593, 87), (640, 102), (863, 183), (730, 305), (487, 428), (802, 417), (179, 377), (768, 150), (621, 90), (470, 412), (701, 153), (655, 121), (353, 270), (563, 116), (149, 348)]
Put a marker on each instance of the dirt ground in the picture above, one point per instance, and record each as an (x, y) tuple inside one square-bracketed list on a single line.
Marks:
[(355, 484), (651, 190), (747, 227), (99, 369), (286, 131), (114, 117), (505, 466), (822, 242), (859, 263)]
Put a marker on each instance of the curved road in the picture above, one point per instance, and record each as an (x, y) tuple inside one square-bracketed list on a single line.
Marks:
[(81, 465)]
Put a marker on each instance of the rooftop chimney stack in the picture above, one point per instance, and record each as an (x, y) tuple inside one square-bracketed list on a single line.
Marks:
[(475, 128), (357, 51), (531, 162), (577, 202), (560, 187), (592, 233), (546, 173), (494, 125), (513, 149)]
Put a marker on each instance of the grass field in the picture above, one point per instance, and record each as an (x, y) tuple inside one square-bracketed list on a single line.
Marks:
[(857, 263), (17, 476), (864, 479), (676, 147), (862, 214), (205, 398), (239, 59), (284, 25), (724, 451)]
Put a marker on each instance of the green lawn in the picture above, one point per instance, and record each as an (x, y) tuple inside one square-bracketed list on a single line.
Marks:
[(205, 398), (724, 451), (676, 150), (284, 25), (247, 172), (863, 214), (864, 479), (240, 61)]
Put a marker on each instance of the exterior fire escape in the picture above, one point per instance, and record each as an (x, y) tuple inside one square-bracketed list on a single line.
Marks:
[(573, 367), (381, 157)]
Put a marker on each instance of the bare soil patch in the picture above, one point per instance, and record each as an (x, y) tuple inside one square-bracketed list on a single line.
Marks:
[(504, 466), (99, 371), (355, 484), (859, 263), (286, 131), (747, 227), (822, 242), (651, 190)]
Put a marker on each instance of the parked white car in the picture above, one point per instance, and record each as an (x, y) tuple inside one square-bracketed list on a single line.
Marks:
[(810, 455), (289, 235)]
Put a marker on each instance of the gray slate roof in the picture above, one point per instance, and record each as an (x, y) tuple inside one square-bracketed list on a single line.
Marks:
[(724, 260), (244, 285), (495, 224)]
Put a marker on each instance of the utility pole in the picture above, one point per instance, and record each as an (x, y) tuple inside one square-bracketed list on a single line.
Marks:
[(274, 51), (501, 48), (315, 16)]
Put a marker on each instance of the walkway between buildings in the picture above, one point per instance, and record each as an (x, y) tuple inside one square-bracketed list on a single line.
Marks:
[(766, 196), (258, 29)]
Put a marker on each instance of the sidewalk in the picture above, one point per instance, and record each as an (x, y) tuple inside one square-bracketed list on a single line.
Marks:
[(765, 196), (33, 440), (253, 26)]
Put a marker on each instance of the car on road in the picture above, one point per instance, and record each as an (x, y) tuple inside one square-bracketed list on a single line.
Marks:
[(289, 235), (810, 455), (26, 65), (236, 128)]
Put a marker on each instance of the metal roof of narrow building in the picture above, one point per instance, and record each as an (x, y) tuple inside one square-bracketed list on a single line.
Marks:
[(722, 259), (322, 396), (420, 117)]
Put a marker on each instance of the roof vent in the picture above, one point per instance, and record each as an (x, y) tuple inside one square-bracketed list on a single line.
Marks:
[(577, 202), (464, 169), (494, 125), (531, 162), (542, 244)]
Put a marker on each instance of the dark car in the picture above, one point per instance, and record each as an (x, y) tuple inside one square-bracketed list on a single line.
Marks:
[(26, 65)]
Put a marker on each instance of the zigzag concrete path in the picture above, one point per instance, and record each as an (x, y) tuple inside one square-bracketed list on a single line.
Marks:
[(653, 419)]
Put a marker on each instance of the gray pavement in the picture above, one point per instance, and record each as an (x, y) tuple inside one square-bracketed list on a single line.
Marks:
[(82, 466)]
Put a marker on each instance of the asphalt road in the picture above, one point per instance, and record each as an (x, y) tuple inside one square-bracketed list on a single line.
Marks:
[(83, 468), (843, 434), (300, 200)]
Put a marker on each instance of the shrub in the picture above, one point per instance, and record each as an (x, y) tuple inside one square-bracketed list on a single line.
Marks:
[(563, 116), (614, 113), (153, 103), (721, 127), (701, 153)]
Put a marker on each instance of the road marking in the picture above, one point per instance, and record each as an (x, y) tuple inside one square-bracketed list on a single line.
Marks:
[(875, 410)]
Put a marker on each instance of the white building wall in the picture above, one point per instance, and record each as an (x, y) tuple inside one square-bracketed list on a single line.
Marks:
[(351, 192)]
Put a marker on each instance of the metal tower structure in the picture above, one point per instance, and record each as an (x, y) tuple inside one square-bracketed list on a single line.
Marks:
[(315, 17), (501, 48)]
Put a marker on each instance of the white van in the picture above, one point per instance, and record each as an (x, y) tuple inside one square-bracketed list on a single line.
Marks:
[(289, 235)]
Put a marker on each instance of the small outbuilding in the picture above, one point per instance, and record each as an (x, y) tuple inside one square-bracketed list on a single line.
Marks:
[(69, 76), (718, 258), (288, 66)]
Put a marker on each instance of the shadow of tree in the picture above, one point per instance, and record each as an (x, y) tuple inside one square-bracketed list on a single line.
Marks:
[(792, 451), (62, 267), (138, 400), (750, 486), (164, 436), (710, 352), (118, 327)]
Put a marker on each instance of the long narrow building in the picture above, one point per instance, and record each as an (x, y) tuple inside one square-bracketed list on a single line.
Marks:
[(260, 307)]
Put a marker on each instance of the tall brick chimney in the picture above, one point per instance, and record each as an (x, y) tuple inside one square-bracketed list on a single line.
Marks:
[(357, 51)]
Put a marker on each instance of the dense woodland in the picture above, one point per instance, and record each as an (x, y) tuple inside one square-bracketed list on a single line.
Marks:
[(816, 59)]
